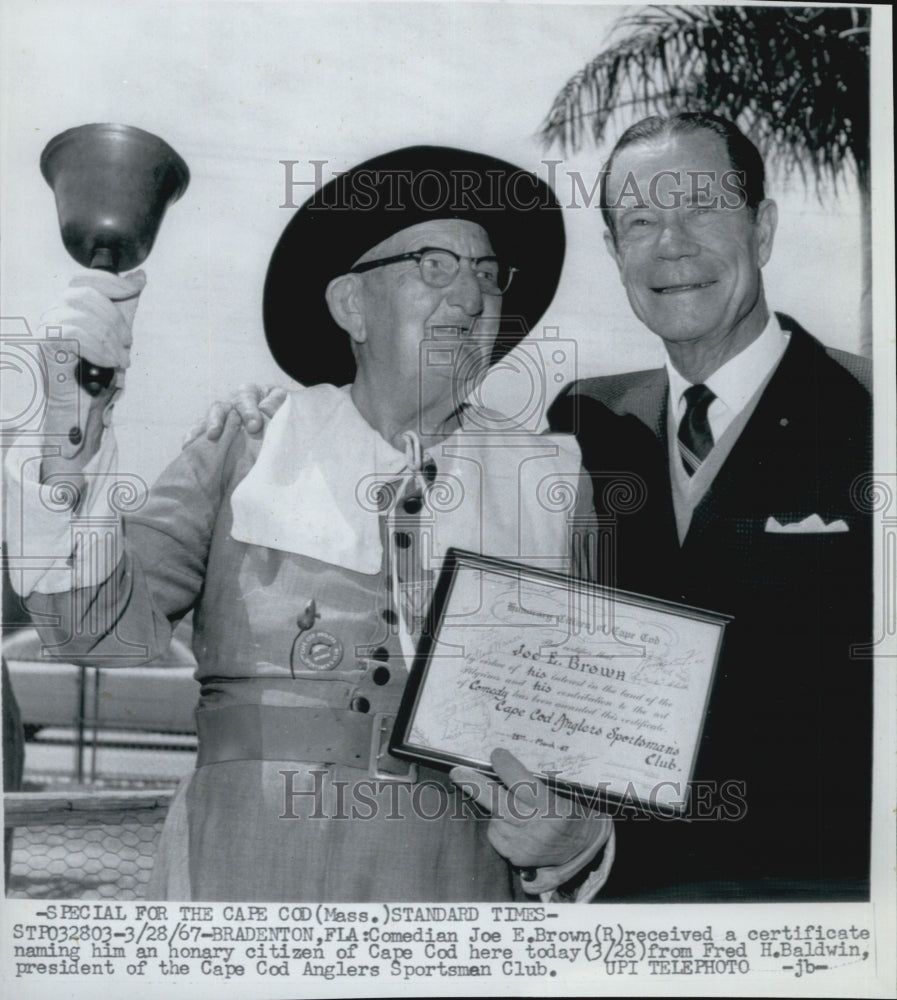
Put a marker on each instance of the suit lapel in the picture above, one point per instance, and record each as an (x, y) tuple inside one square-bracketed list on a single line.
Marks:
[(774, 425), (789, 396)]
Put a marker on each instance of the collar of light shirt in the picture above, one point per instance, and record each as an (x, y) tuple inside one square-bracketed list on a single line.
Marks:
[(736, 382), (321, 469)]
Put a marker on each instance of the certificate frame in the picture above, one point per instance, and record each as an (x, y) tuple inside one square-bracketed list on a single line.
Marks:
[(445, 711)]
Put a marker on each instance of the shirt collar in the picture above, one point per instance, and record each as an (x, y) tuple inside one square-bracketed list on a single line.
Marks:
[(741, 376), (318, 478), (323, 474)]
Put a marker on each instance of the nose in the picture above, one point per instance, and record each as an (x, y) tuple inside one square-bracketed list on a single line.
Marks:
[(674, 241), (465, 292)]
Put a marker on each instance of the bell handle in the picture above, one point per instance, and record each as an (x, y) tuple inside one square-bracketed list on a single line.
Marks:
[(92, 378)]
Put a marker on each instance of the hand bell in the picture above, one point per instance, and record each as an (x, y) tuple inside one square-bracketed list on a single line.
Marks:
[(113, 184)]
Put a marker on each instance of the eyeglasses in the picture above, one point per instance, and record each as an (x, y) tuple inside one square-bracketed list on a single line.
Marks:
[(438, 268)]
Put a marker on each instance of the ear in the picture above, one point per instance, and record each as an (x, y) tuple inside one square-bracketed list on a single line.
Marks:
[(611, 244), (344, 300), (766, 222)]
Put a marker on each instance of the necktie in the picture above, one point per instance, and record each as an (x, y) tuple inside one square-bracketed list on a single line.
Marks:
[(695, 436)]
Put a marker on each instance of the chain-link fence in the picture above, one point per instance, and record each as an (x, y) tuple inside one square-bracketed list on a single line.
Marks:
[(74, 852), (89, 841), (103, 753)]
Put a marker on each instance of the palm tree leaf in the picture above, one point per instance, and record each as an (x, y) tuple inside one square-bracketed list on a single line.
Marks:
[(796, 79)]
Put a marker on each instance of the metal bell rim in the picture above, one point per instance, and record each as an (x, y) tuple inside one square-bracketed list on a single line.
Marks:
[(127, 133)]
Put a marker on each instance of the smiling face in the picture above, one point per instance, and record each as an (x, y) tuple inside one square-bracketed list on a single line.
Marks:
[(688, 249), (400, 311)]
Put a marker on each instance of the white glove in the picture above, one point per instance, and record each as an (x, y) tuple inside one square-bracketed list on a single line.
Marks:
[(97, 310), (92, 322)]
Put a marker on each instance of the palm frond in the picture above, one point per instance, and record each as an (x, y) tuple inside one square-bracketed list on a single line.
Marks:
[(795, 79)]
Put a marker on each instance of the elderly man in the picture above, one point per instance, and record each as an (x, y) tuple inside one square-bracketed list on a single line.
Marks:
[(751, 442), (308, 556)]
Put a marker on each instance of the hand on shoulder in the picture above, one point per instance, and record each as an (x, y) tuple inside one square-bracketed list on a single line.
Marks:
[(252, 404)]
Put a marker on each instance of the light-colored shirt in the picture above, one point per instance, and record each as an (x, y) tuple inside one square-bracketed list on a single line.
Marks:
[(735, 383)]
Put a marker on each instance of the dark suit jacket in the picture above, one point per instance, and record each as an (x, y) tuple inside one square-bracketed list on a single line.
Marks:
[(789, 724)]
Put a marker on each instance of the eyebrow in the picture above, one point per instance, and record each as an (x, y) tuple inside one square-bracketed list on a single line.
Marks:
[(629, 209), (429, 246)]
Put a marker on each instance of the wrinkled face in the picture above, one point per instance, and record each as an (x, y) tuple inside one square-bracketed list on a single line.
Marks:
[(441, 335), (688, 250)]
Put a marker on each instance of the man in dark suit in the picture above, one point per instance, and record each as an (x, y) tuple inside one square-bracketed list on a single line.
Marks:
[(751, 444)]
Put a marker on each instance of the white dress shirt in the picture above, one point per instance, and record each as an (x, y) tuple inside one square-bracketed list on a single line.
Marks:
[(735, 383)]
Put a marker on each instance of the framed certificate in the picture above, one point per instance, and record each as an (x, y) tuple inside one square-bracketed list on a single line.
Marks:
[(600, 692)]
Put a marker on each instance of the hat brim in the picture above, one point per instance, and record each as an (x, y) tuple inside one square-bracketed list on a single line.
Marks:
[(362, 207)]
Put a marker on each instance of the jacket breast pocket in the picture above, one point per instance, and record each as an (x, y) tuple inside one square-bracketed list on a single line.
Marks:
[(820, 567)]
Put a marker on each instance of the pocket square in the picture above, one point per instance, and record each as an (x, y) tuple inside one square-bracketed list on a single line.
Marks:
[(812, 525)]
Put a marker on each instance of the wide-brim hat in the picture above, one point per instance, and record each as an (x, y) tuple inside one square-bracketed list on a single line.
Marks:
[(362, 207)]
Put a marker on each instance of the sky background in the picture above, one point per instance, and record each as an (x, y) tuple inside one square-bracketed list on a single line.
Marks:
[(237, 87)]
